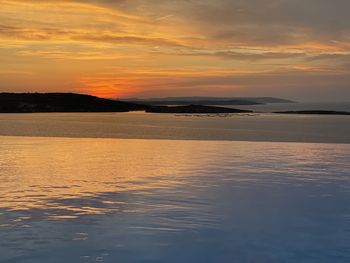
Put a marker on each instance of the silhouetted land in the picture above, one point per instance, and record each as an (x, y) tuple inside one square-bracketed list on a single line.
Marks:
[(70, 102), (62, 102), (199, 102), (316, 112), (209, 100), (194, 109)]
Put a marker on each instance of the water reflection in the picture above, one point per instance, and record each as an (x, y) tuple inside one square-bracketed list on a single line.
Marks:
[(91, 200)]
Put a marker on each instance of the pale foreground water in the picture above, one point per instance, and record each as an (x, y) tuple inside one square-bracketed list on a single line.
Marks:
[(112, 200)]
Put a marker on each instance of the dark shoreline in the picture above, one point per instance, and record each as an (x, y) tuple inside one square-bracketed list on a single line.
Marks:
[(79, 103), (194, 109), (314, 112)]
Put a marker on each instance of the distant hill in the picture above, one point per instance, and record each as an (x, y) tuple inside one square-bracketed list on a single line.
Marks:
[(268, 100), (199, 102), (194, 109), (61, 102), (208, 100)]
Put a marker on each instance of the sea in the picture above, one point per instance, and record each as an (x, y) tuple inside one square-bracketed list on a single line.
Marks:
[(138, 187)]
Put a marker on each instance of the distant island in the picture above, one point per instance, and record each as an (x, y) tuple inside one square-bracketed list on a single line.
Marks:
[(208, 101), (194, 109)]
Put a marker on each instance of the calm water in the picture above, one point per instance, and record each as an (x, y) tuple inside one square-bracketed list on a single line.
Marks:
[(112, 200), (139, 125)]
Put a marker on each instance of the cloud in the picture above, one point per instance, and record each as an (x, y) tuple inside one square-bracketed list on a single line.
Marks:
[(56, 34), (206, 46), (248, 56), (272, 21), (117, 39)]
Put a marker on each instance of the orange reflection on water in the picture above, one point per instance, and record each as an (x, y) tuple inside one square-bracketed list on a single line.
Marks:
[(36, 172)]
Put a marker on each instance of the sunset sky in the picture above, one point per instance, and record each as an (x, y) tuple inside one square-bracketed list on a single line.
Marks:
[(297, 49)]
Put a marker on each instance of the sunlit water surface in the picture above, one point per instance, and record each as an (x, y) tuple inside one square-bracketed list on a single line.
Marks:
[(110, 200)]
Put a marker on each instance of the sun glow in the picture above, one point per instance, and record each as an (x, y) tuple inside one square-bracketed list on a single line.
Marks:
[(168, 48)]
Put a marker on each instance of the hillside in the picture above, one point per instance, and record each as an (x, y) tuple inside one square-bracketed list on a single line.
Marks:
[(61, 102), (209, 100), (194, 109)]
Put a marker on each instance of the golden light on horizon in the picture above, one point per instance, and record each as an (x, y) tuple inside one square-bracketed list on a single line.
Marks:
[(174, 48)]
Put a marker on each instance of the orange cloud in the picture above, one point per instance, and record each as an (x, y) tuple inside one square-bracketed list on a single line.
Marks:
[(140, 48)]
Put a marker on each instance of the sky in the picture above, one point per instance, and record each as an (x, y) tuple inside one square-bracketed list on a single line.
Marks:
[(296, 49)]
